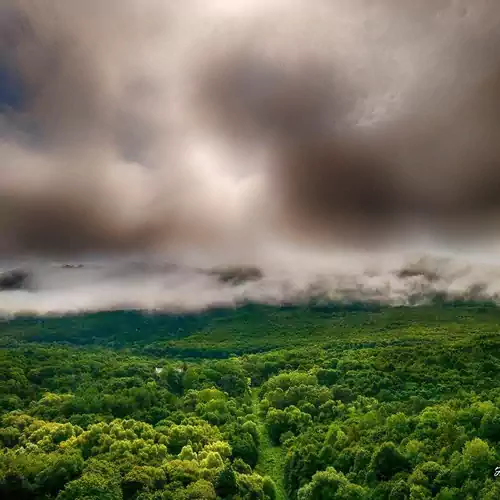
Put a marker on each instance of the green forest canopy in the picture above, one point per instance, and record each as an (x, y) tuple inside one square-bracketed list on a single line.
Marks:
[(260, 402)]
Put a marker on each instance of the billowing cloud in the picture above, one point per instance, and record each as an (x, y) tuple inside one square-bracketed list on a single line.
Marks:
[(222, 126)]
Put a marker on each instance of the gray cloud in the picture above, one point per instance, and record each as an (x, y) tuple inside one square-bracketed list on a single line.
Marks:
[(391, 278), (223, 126)]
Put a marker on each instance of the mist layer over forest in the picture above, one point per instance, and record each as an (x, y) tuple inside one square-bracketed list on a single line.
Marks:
[(156, 285)]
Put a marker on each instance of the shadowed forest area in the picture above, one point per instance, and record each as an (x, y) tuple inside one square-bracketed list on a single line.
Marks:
[(300, 403)]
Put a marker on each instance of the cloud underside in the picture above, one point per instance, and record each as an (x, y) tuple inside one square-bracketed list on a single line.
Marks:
[(145, 125)]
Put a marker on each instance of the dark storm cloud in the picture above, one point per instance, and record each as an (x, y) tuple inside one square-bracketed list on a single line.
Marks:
[(363, 148), (221, 125)]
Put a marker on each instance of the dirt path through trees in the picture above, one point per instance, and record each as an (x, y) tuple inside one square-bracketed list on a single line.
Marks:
[(271, 458)]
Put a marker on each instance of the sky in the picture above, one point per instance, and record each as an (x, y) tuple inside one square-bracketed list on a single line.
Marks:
[(248, 132)]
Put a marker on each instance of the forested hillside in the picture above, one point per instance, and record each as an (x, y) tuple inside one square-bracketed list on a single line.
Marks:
[(298, 403)]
